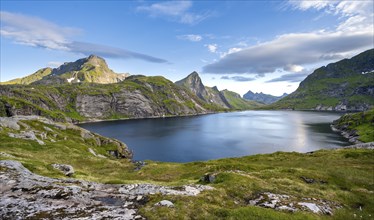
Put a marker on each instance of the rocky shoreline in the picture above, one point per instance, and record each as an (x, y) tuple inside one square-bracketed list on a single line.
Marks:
[(25, 195)]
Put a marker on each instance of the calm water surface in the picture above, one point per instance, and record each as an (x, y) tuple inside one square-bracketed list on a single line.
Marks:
[(223, 135)]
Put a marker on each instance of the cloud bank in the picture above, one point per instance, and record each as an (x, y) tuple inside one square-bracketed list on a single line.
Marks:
[(292, 51), (238, 78), (36, 32)]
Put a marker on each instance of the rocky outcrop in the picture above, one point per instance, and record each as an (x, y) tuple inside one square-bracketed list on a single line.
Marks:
[(17, 128), (292, 204), (66, 169), (25, 195)]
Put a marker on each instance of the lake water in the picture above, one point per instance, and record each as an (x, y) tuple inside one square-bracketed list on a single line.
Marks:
[(213, 136)]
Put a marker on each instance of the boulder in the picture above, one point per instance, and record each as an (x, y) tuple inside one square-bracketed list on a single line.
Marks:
[(66, 169), (208, 178), (166, 203)]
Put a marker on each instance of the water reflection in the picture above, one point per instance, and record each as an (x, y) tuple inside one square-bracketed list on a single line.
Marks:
[(223, 135)]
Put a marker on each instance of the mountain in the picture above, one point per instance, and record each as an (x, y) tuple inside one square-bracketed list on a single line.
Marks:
[(135, 97), (208, 94), (92, 69), (237, 102), (225, 99), (38, 75), (263, 98), (345, 85)]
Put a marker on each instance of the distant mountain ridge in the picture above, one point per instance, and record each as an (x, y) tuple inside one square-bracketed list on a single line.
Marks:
[(92, 69), (263, 98), (226, 99), (345, 85)]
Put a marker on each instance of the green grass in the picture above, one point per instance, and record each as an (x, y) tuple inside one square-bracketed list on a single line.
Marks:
[(362, 123), (348, 173)]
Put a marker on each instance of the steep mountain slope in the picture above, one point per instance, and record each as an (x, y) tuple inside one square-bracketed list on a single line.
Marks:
[(344, 85), (135, 97), (225, 99), (92, 69), (237, 102), (38, 75), (263, 98)]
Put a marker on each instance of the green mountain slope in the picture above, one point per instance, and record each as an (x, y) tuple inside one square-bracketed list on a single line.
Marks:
[(135, 97), (344, 85), (358, 127), (92, 69), (38, 75), (238, 103)]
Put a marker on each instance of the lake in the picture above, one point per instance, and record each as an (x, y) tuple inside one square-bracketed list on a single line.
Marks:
[(235, 134)]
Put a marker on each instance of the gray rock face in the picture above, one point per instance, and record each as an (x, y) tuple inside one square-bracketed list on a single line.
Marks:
[(208, 178), (66, 169), (25, 195)]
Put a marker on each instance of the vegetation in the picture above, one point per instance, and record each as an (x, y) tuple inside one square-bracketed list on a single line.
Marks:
[(347, 82), (38, 75), (347, 176), (239, 103), (361, 123)]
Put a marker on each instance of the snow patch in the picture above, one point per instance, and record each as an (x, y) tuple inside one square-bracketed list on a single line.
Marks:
[(70, 79), (371, 71)]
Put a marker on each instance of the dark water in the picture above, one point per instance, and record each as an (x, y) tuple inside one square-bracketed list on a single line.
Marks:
[(223, 135)]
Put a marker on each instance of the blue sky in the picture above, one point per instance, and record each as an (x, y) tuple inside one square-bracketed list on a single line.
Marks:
[(237, 45)]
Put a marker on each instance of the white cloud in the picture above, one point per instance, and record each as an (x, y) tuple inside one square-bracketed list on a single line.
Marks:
[(212, 47), (190, 37), (291, 51), (175, 10), (36, 32), (293, 68)]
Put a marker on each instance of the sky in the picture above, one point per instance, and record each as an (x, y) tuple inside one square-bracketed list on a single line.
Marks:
[(262, 46)]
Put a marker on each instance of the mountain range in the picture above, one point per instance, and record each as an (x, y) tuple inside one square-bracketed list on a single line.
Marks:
[(263, 98), (87, 90), (345, 85)]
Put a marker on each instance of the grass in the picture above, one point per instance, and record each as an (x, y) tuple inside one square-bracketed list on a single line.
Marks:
[(348, 173)]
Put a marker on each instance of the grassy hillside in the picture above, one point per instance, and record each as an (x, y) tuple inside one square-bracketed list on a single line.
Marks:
[(38, 75), (361, 124), (343, 176), (238, 103), (347, 84)]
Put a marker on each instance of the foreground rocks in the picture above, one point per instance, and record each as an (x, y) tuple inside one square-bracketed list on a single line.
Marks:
[(25, 195), (293, 204)]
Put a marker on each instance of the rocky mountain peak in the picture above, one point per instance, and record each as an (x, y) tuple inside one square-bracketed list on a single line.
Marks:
[(194, 84)]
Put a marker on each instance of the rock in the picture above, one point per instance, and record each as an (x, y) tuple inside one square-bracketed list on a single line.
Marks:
[(27, 135), (289, 203), (9, 123), (311, 206), (67, 170), (308, 180), (208, 178), (166, 203), (25, 195)]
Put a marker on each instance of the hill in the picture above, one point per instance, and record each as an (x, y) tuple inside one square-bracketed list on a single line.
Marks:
[(345, 85), (38, 75)]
